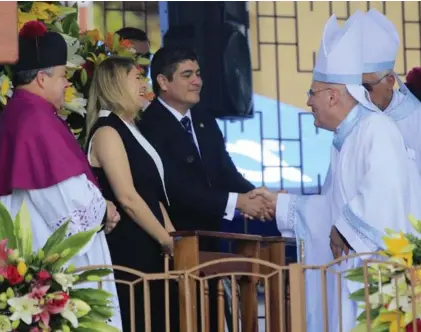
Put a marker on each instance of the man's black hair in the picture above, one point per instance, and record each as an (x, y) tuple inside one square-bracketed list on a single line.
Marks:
[(166, 61), (132, 34)]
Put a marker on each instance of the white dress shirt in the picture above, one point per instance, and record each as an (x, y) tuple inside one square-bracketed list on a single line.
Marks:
[(232, 197)]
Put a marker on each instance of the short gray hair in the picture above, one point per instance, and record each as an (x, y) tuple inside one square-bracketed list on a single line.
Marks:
[(27, 76), (382, 74)]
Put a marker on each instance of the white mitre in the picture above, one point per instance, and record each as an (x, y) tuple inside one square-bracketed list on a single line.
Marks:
[(381, 42), (340, 57)]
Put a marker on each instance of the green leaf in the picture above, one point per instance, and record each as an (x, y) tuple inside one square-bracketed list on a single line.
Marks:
[(74, 29), (65, 11), (25, 6), (92, 296), (143, 61), (56, 238), (97, 326), (58, 26), (357, 275), (7, 227), (83, 76), (75, 243), (116, 41), (70, 26), (23, 232), (362, 327), (83, 277), (82, 329), (373, 314), (8, 71), (100, 313), (359, 295)]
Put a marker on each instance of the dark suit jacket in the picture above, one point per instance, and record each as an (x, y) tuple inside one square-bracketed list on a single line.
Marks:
[(197, 185)]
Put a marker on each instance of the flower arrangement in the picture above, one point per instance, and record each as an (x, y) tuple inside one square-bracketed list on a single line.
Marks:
[(85, 51), (37, 289), (394, 286)]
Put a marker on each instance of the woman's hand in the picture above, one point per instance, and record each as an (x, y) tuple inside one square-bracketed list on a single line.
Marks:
[(113, 217), (167, 245)]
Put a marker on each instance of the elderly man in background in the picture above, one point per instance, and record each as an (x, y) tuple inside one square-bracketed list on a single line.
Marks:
[(381, 44)]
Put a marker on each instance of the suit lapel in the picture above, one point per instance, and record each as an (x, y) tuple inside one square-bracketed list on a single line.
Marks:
[(202, 138), (178, 134)]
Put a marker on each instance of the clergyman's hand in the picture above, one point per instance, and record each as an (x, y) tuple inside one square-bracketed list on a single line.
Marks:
[(113, 217), (337, 244)]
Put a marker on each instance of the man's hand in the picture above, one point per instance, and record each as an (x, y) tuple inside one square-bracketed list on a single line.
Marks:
[(113, 217), (269, 203), (337, 244), (268, 196), (251, 208)]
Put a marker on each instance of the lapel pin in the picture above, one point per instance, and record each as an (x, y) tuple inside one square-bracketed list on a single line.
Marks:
[(201, 125)]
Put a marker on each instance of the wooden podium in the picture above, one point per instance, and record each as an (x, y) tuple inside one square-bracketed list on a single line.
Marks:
[(187, 256)]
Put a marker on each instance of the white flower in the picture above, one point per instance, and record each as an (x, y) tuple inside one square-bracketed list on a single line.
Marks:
[(64, 280), (24, 308), (77, 104), (74, 309), (393, 291), (5, 324)]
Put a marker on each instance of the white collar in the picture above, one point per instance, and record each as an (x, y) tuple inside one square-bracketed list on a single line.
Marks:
[(174, 112), (103, 113)]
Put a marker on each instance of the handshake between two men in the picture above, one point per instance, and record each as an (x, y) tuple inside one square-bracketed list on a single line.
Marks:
[(259, 203)]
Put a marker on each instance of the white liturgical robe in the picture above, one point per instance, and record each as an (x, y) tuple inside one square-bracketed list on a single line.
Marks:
[(374, 184), (79, 200), (405, 110)]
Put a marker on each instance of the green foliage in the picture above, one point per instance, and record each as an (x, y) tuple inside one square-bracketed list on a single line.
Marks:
[(359, 295), (417, 251), (6, 227)]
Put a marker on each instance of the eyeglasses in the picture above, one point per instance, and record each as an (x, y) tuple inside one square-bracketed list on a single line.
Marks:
[(369, 86), (311, 93)]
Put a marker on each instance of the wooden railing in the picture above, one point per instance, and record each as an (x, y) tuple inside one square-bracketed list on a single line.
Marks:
[(256, 261)]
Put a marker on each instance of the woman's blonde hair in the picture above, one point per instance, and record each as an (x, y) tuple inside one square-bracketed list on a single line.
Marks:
[(109, 90)]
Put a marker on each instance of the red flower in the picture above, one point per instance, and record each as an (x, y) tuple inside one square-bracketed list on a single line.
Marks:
[(4, 253), (13, 275), (33, 29), (409, 327), (89, 67), (56, 305), (414, 76), (43, 276)]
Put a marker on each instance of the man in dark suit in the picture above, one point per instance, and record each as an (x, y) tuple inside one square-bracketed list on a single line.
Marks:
[(203, 184)]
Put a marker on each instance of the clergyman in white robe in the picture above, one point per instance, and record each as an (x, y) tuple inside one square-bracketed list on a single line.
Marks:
[(381, 46), (361, 198)]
